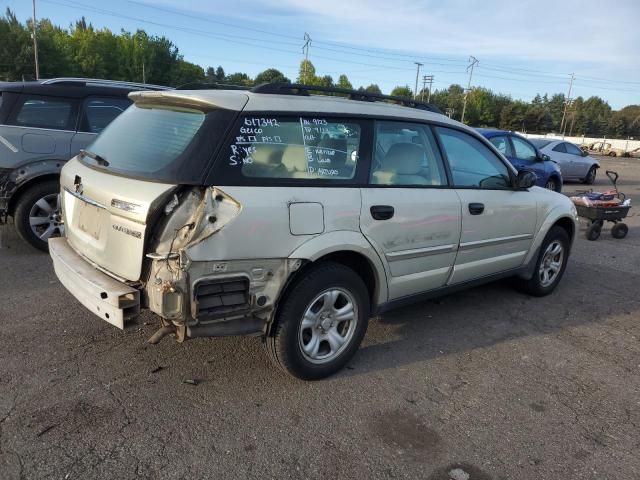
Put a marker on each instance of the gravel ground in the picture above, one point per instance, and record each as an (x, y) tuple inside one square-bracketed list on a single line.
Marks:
[(484, 384)]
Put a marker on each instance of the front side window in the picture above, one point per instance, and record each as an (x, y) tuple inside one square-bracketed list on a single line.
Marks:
[(45, 112), (293, 148), (471, 162), (572, 149), (523, 150), (406, 154), (502, 144), (100, 112)]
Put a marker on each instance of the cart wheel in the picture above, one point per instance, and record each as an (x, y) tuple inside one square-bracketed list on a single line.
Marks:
[(593, 231), (619, 230)]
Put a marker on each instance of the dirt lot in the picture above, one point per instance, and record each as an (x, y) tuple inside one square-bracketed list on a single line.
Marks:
[(490, 381)]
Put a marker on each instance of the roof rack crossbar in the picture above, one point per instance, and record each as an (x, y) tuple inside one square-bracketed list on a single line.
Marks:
[(100, 81), (283, 88)]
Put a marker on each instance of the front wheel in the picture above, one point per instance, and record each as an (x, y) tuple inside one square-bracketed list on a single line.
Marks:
[(320, 323), (553, 184), (37, 215), (550, 265)]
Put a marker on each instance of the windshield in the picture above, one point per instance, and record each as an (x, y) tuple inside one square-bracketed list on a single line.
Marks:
[(539, 142), (157, 142)]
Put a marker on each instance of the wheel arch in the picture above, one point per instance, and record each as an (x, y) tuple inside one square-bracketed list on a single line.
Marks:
[(352, 250), (26, 185)]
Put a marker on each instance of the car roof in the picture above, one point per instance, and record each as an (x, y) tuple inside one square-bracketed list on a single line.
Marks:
[(74, 87), (264, 102)]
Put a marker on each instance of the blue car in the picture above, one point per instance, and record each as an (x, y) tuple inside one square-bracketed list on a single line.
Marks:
[(525, 156)]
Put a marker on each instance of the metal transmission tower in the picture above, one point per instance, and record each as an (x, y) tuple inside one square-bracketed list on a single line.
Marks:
[(415, 92), (567, 102), (474, 61), (35, 41), (305, 49), (426, 79)]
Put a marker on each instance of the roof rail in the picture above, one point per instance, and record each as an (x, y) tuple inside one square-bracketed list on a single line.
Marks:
[(282, 88), (102, 82), (210, 86)]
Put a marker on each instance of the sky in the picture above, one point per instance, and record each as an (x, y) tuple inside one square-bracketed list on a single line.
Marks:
[(523, 47)]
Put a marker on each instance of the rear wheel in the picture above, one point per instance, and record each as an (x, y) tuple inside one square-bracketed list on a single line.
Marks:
[(619, 230), (591, 176), (320, 323), (37, 214), (550, 265)]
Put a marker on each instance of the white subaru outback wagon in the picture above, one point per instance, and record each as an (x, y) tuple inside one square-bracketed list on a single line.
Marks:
[(295, 216)]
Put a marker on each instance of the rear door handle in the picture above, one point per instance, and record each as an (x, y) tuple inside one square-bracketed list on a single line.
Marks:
[(382, 212), (476, 208)]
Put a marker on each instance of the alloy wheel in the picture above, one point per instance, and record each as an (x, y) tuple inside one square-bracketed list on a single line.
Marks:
[(328, 325), (551, 263), (45, 217)]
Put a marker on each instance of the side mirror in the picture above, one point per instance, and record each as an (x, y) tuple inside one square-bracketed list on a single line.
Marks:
[(525, 179), (543, 157), (584, 153)]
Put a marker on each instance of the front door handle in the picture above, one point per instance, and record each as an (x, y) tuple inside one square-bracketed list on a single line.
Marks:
[(382, 212), (476, 208)]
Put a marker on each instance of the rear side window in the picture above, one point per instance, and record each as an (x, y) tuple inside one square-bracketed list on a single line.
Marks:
[(100, 112), (572, 149), (293, 148), (45, 112), (406, 154), (560, 148), (471, 162)]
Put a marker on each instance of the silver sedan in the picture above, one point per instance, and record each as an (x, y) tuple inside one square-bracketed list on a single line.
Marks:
[(573, 162)]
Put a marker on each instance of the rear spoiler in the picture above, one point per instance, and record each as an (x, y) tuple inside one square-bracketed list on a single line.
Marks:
[(209, 100)]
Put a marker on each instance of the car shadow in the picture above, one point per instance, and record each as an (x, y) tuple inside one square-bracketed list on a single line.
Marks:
[(492, 314)]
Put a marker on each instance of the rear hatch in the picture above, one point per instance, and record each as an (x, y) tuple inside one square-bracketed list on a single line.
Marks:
[(110, 193)]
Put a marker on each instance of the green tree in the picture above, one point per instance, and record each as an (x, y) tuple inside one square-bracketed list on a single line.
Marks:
[(271, 75), (240, 79), (306, 73), (343, 82), (404, 91), (373, 88)]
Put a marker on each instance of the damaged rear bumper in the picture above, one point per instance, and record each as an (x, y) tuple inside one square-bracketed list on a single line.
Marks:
[(111, 300)]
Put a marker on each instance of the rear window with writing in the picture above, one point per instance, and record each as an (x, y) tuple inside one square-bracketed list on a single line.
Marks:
[(295, 148)]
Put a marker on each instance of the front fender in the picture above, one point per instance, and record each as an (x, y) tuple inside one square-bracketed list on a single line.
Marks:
[(345, 241)]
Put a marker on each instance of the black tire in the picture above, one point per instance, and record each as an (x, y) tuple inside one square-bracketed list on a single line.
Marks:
[(593, 231), (283, 342), (535, 286), (553, 183), (23, 210), (619, 230), (591, 176)]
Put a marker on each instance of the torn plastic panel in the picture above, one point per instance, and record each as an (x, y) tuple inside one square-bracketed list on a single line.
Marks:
[(196, 294)]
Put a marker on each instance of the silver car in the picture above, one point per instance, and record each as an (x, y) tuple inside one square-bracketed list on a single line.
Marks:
[(237, 213), (574, 163)]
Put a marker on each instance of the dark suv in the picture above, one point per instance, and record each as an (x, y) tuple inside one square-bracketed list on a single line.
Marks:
[(42, 125)]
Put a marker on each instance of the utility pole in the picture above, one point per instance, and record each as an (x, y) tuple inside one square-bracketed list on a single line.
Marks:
[(415, 92), (474, 62), (144, 77), (305, 49), (566, 104), (427, 79), (35, 41)]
